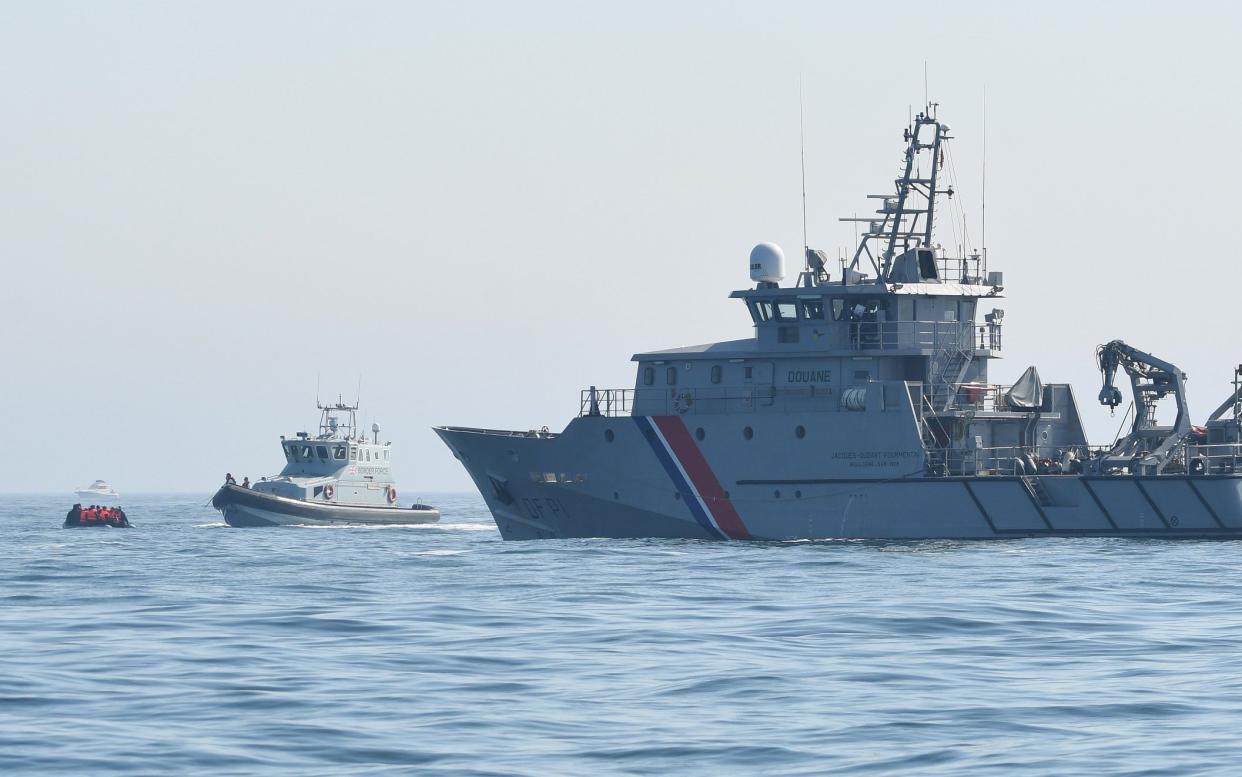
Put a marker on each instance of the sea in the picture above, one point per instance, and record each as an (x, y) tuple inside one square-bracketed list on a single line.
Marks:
[(183, 646)]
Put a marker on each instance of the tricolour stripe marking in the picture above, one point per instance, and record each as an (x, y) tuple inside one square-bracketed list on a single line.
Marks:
[(706, 487), (680, 480)]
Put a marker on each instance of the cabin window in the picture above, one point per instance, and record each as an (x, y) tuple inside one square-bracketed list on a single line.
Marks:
[(291, 451), (748, 372), (786, 311), (716, 373), (670, 376), (763, 310), (368, 454), (838, 308), (385, 455), (648, 376), (306, 452), (353, 453), (338, 453), (322, 450), (813, 309)]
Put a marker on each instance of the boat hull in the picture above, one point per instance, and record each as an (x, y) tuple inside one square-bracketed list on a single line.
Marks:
[(576, 485), (97, 497), (243, 507)]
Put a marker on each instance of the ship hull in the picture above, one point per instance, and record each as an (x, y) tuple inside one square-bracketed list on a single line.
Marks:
[(660, 483), (243, 507), (97, 497)]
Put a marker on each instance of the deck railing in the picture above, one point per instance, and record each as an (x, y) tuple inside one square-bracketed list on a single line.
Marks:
[(928, 335)]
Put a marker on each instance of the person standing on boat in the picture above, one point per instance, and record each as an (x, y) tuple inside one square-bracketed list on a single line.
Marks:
[(246, 482)]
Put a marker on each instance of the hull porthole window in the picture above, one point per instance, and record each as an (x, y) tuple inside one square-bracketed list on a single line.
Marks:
[(748, 433), (800, 432), (699, 434), (609, 436)]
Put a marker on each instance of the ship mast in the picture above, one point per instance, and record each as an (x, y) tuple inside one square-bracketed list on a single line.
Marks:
[(906, 218)]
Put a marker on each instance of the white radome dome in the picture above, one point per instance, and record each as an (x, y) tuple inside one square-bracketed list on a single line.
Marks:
[(767, 263)]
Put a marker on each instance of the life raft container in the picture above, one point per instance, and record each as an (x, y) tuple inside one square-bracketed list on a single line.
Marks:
[(82, 517)]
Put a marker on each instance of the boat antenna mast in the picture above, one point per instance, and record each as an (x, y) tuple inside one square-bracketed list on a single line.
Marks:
[(906, 218), (337, 418), (806, 248)]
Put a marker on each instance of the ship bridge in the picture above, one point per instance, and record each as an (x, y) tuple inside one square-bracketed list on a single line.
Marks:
[(905, 325)]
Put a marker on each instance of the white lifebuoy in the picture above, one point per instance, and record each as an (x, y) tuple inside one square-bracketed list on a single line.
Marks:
[(392, 494), (328, 491)]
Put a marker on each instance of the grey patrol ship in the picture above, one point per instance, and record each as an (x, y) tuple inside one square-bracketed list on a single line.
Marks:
[(862, 408), (335, 477)]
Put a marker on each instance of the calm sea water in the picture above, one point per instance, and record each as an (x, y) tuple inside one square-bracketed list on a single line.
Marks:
[(185, 646)]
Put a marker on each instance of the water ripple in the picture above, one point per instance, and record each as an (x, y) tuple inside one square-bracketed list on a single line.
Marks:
[(183, 645)]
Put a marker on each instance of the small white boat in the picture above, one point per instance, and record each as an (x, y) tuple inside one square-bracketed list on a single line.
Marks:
[(337, 477), (96, 492)]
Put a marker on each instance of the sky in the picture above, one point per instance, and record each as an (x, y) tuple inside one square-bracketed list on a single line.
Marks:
[(475, 210)]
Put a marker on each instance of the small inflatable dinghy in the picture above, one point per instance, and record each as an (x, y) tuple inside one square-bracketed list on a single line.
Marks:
[(96, 515)]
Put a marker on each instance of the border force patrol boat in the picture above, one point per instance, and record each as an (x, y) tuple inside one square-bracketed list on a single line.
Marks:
[(336, 477), (861, 408)]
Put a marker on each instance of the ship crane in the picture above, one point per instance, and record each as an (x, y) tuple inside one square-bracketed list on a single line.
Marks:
[(1148, 447)]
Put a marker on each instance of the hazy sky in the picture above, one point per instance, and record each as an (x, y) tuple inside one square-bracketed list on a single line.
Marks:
[(481, 208)]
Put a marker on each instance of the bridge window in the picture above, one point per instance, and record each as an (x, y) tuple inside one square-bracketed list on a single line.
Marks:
[(322, 450), (670, 376), (716, 373), (291, 451), (353, 453), (813, 309), (838, 309), (306, 452), (338, 453), (648, 376), (786, 311), (761, 311)]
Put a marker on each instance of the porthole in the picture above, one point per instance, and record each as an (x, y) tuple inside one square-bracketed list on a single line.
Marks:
[(699, 434), (726, 495), (616, 496), (748, 433), (677, 496), (797, 495), (715, 373), (777, 493), (609, 436), (800, 432)]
